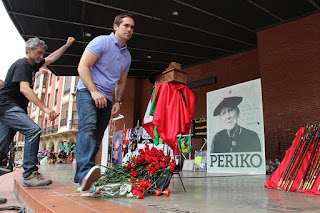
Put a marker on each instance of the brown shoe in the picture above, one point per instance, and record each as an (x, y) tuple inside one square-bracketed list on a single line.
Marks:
[(36, 179)]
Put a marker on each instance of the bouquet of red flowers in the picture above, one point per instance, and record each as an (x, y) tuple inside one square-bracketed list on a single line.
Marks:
[(149, 171)]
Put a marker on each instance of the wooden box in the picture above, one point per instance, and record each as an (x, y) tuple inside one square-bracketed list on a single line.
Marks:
[(172, 76)]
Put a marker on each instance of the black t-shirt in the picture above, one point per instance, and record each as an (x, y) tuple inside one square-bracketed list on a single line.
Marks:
[(10, 95)]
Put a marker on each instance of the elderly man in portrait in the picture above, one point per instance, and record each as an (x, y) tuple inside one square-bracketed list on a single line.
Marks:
[(233, 138)]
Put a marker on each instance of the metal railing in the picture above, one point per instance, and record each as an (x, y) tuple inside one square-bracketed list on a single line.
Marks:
[(74, 122), (50, 130), (63, 122)]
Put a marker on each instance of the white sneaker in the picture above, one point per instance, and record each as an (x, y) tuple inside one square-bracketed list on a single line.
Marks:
[(91, 177)]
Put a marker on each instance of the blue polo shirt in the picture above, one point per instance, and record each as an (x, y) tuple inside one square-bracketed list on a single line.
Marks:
[(111, 63)]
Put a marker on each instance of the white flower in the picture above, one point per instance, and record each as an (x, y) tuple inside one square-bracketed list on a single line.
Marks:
[(128, 187)]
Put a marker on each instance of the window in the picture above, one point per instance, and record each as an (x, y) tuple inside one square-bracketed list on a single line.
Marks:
[(50, 80), (75, 117), (40, 122), (76, 83), (67, 84), (42, 97), (45, 76), (48, 102), (64, 114), (34, 107), (56, 97), (37, 82)]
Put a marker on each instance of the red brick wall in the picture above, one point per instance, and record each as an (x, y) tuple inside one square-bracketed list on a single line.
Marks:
[(289, 58), (228, 71), (131, 105)]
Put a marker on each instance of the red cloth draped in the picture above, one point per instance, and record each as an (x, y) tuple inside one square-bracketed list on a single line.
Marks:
[(172, 115), (274, 178)]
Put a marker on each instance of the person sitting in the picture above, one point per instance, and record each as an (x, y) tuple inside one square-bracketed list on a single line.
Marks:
[(18, 163), (72, 150), (62, 156), (62, 147), (67, 149), (42, 155), (52, 158), (45, 159)]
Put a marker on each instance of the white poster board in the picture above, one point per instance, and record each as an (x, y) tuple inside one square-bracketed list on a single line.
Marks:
[(105, 146), (235, 129)]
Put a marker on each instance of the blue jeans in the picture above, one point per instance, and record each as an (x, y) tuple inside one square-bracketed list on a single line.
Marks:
[(16, 119), (92, 124)]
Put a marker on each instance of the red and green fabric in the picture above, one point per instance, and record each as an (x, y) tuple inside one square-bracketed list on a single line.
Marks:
[(172, 113)]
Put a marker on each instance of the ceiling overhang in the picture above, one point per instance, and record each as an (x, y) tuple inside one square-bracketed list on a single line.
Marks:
[(185, 31)]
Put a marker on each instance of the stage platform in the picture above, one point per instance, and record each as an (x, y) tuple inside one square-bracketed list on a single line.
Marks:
[(222, 193)]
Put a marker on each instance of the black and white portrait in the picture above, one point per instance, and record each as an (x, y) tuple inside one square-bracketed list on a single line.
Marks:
[(233, 137), (235, 131)]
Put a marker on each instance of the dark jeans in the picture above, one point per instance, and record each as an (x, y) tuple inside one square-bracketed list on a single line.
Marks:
[(92, 124), (16, 119)]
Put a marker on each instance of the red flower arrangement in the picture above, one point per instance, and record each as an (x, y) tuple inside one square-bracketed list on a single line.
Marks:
[(138, 176)]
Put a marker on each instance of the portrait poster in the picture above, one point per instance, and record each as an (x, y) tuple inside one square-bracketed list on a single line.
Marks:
[(117, 147), (235, 130)]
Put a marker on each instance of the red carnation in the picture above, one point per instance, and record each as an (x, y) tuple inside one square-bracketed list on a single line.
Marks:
[(151, 170), (154, 150), (162, 165), (148, 159), (157, 167), (134, 174), (141, 151), (135, 189), (128, 167), (157, 192), (144, 184), (172, 167), (161, 152), (140, 195), (166, 192), (141, 159), (132, 180)]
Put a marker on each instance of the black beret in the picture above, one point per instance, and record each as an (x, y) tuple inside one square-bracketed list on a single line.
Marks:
[(232, 102)]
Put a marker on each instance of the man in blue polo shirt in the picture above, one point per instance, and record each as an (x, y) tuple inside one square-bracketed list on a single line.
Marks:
[(103, 70)]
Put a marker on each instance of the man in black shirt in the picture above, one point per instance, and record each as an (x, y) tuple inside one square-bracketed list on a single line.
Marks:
[(15, 95)]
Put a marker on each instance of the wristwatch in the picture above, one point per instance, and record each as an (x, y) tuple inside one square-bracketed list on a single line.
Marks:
[(120, 102)]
